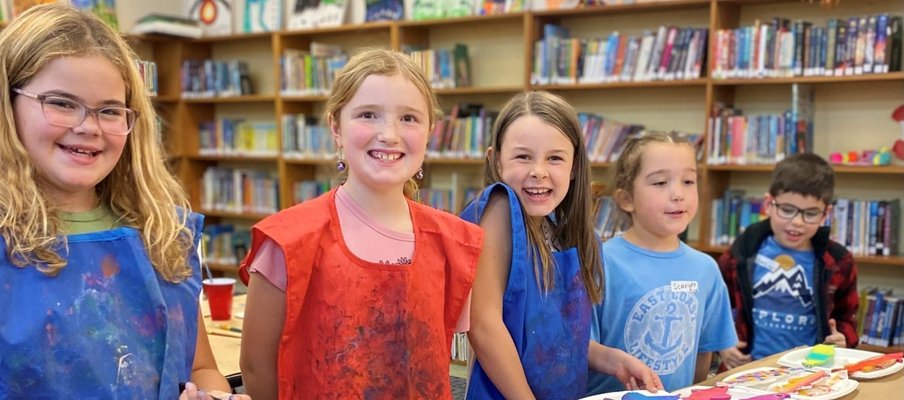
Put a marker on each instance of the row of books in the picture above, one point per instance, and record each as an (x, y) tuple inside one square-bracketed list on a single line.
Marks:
[(148, 72), (781, 48), (244, 16), (306, 190), (311, 72), (605, 138), (464, 133), (239, 190), (432, 9), (757, 139), (213, 78), (445, 68), (621, 2), (236, 136), (609, 219), (865, 227), (460, 347), (440, 199), (671, 53), (225, 243), (880, 319), (304, 138), (732, 214)]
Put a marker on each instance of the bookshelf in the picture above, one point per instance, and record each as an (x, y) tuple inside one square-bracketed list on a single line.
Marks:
[(850, 112)]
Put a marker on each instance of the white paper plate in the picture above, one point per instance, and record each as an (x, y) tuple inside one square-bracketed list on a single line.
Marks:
[(737, 393), (842, 357), (845, 387)]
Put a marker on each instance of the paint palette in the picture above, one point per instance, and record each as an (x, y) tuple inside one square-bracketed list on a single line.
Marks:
[(843, 357), (760, 376), (634, 395), (691, 393), (800, 384)]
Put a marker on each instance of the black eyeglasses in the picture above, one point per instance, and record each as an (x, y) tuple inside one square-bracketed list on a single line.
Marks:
[(68, 113), (788, 211)]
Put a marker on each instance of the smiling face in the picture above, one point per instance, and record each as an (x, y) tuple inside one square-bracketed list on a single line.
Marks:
[(664, 196), (382, 132), (70, 162), (536, 161), (795, 233)]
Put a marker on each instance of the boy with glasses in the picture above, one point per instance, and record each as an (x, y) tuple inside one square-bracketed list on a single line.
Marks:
[(789, 284)]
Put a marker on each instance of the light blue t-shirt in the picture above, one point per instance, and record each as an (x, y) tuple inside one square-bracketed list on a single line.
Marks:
[(662, 308), (784, 315)]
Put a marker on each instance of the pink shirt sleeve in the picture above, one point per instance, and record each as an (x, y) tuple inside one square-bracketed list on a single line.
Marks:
[(270, 262), (464, 320)]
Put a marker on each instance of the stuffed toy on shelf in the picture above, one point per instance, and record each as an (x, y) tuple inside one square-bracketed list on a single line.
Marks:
[(898, 147)]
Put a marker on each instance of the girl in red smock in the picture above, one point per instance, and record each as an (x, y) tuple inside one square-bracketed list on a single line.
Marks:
[(356, 294)]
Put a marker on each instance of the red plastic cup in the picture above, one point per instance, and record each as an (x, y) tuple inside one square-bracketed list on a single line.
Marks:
[(219, 297)]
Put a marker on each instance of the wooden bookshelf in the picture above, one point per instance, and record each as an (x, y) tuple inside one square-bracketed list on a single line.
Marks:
[(897, 261), (502, 50), (227, 268), (516, 31), (839, 169), (233, 215), (880, 349), (834, 80), (235, 158), (611, 9), (623, 85), (231, 99)]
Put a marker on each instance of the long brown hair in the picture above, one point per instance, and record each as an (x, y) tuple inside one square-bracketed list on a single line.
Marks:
[(139, 189), (573, 215)]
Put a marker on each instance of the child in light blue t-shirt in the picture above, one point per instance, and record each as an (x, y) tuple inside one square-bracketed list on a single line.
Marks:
[(665, 303)]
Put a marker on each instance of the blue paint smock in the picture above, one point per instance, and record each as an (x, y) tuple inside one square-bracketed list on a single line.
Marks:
[(106, 327), (551, 330)]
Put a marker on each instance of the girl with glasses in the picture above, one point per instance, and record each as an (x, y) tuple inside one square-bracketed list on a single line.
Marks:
[(100, 267)]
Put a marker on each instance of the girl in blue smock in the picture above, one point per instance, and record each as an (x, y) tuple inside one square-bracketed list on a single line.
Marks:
[(99, 273), (539, 270)]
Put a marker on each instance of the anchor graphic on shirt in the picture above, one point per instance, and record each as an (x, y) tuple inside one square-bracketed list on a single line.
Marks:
[(664, 347)]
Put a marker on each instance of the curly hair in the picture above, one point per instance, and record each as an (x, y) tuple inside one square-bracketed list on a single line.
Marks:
[(139, 189)]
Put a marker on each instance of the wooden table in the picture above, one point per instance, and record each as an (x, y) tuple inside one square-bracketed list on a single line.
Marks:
[(225, 343), (885, 388)]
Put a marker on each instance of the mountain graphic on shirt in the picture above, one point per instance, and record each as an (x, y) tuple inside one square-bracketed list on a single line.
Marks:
[(791, 281)]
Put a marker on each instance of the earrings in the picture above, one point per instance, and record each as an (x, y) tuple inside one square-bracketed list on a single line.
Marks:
[(340, 164), (420, 173)]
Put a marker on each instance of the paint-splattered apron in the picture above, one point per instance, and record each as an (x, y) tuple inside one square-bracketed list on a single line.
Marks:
[(358, 329), (107, 327), (551, 331)]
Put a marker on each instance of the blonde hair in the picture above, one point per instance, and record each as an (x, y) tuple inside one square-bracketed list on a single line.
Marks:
[(631, 158), (573, 215), (139, 189), (380, 62)]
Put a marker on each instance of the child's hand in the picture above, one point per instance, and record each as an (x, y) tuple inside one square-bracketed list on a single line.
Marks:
[(192, 392), (733, 357), (835, 337), (634, 374)]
